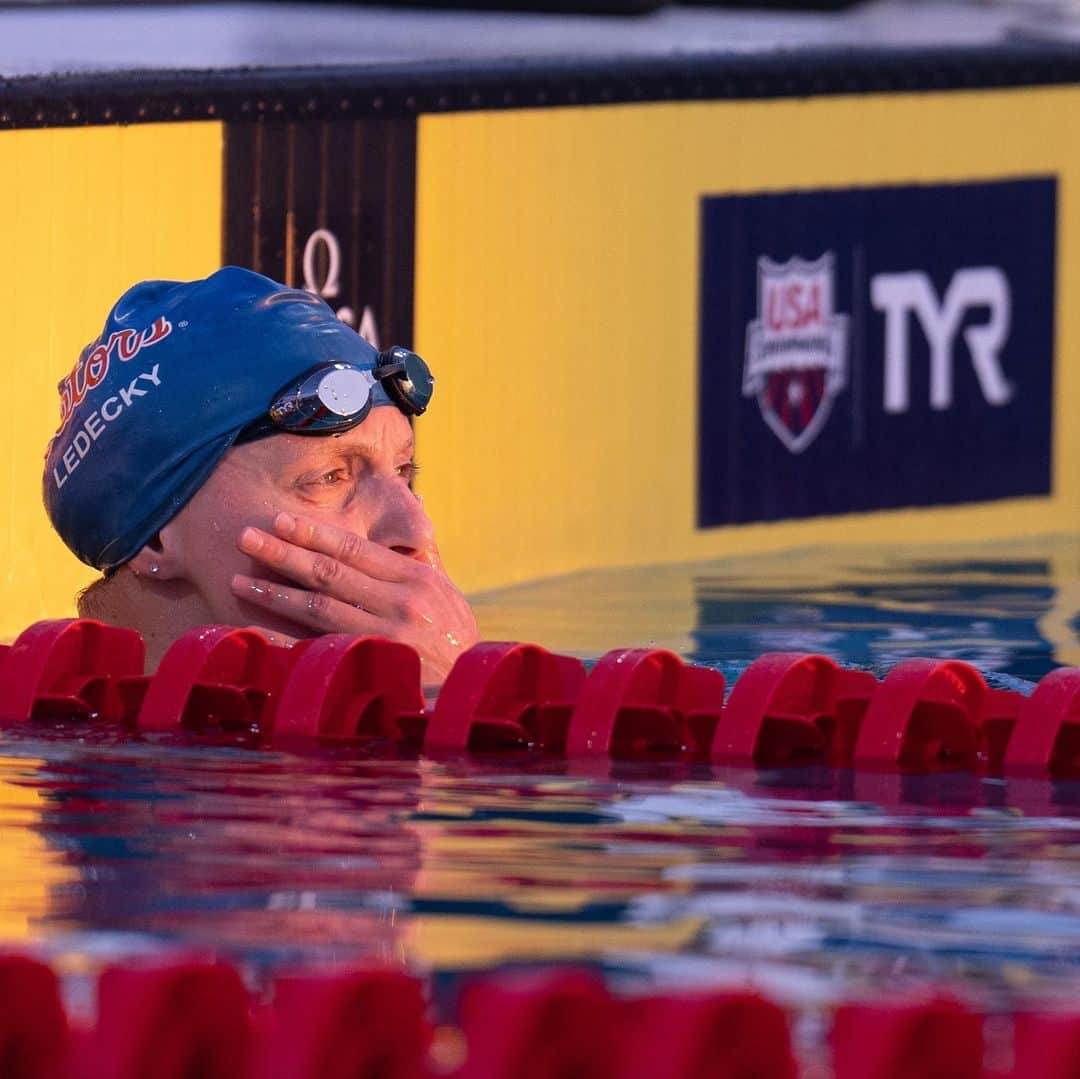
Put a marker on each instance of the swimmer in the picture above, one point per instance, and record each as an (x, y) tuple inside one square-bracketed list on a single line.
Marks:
[(230, 453)]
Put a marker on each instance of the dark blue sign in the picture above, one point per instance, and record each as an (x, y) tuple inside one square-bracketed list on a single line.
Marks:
[(875, 347)]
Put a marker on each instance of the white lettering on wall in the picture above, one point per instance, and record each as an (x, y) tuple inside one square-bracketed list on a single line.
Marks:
[(330, 285), (899, 295)]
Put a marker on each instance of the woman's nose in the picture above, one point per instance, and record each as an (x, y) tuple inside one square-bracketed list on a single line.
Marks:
[(398, 520)]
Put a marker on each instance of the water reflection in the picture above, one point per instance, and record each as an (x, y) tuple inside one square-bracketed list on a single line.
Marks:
[(1007, 608), (812, 884), (35, 878)]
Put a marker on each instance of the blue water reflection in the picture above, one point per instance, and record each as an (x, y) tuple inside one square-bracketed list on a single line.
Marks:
[(1007, 608), (986, 615)]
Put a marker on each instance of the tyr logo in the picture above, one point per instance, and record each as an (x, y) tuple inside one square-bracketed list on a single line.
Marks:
[(902, 294)]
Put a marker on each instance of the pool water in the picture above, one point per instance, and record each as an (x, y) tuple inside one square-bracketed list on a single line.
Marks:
[(814, 886)]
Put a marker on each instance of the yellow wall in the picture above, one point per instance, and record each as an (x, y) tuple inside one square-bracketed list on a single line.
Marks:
[(557, 278), (84, 212)]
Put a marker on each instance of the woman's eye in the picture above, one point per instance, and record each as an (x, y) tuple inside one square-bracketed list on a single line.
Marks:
[(332, 478)]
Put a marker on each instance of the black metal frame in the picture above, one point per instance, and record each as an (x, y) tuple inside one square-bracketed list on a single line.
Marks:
[(408, 89)]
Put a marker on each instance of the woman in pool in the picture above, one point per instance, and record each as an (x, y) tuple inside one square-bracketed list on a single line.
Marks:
[(230, 453)]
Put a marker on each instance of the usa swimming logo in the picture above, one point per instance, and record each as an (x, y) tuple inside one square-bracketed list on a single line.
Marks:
[(796, 348)]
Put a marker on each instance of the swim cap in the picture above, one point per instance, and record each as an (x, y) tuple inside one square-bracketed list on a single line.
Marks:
[(155, 402)]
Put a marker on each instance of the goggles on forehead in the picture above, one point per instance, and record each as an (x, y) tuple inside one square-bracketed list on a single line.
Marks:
[(334, 397)]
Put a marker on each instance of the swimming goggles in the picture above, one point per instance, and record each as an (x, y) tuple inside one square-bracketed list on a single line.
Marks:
[(335, 397)]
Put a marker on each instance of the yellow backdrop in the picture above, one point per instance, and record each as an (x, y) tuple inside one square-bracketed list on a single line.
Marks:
[(84, 213), (557, 298)]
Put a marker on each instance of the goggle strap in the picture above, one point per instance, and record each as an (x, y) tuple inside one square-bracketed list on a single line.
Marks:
[(393, 369)]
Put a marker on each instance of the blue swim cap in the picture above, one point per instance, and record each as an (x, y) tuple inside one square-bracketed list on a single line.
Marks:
[(155, 402)]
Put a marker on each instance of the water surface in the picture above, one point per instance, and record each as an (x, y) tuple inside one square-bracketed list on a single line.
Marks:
[(814, 886)]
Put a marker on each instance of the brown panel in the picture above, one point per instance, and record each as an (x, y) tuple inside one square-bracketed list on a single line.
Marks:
[(328, 206)]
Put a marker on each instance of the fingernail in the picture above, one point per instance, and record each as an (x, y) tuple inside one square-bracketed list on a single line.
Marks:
[(241, 583), (285, 523), (251, 539)]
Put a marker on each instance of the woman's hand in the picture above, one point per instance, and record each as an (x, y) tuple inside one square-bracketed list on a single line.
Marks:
[(353, 585)]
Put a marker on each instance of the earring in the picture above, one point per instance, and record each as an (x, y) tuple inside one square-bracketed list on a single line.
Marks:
[(154, 567)]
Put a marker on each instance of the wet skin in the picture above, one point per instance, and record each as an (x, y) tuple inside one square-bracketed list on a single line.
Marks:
[(300, 536)]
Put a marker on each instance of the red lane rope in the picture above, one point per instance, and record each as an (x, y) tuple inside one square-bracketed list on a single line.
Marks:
[(195, 1020), (786, 708)]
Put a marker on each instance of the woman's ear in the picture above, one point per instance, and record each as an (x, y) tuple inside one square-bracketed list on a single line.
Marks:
[(162, 558)]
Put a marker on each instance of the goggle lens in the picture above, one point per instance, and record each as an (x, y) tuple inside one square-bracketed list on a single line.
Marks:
[(337, 396), (343, 394), (406, 378), (326, 400)]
